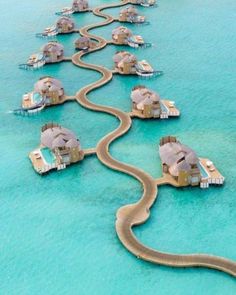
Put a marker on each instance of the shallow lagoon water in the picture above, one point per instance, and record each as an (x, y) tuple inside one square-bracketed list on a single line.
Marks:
[(57, 232)]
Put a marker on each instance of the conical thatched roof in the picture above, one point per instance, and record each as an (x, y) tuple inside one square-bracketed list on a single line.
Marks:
[(146, 96), (81, 41), (48, 84), (64, 20), (130, 10), (79, 5), (72, 143), (58, 137), (124, 56), (121, 30), (178, 157), (53, 47)]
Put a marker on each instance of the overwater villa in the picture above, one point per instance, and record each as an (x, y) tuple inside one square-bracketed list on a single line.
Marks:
[(77, 6), (53, 52), (85, 43), (50, 53), (145, 3), (80, 5), (130, 14), (47, 91), (59, 148), (35, 61), (184, 167), (120, 35), (148, 104), (64, 25), (123, 36), (127, 64)]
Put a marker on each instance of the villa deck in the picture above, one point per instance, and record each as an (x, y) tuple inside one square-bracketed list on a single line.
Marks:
[(32, 100), (172, 111), (213, 175), (168, 110), (40, 159), (38, 162)]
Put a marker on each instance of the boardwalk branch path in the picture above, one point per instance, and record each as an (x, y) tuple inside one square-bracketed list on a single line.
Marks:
[(133, 214)]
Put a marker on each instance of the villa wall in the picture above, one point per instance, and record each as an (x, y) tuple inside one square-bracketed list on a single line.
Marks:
[(147, 111)]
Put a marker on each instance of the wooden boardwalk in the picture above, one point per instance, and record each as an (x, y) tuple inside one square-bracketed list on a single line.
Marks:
[(133, 214)]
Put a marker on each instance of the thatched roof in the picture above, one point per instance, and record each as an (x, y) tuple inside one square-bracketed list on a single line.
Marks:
[(144, 95), (73, 143), (54, 47), (121, 30), (48, 84), (129, 58), (178, 157), (80, 4), (130, 10), (64, 20), (124, 56), (59, 137), (79, 42)]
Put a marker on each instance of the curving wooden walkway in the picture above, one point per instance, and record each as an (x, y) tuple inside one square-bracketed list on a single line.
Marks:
[(133, 214)]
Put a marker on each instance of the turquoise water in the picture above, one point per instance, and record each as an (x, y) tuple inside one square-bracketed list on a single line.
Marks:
[(203, 171), (57, 231), (48, 156), (37, 97)]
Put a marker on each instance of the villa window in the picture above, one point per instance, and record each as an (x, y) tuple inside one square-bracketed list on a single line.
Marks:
[(180, 160), (195, 179)]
